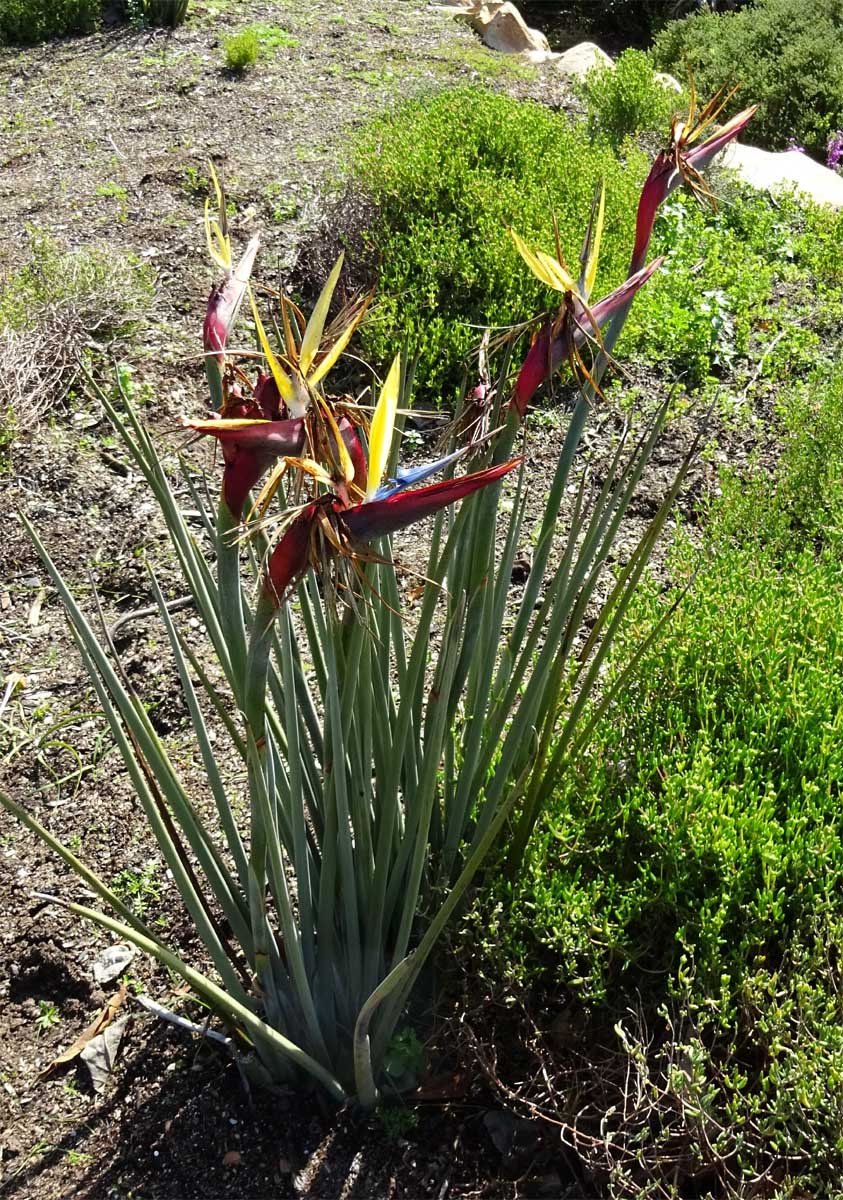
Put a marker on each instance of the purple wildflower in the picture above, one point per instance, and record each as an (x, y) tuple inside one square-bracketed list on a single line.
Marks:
[(835, 151)]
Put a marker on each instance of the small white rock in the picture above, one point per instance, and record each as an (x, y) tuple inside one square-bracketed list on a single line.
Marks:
[(668, 81), (112, 962)]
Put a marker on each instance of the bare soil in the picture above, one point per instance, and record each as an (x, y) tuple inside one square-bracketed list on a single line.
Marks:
[(106, 138)]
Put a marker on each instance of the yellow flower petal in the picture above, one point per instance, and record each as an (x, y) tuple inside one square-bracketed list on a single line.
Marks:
[(345, 463), (221, 252), (383, 426), (594, 251), (216, 183), (233, 423), (282, 380), (316, 324), (325, 364), (564, 279), (545, 268)]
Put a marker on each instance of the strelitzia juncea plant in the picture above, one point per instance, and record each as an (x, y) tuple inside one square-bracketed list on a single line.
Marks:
[(389, 735)]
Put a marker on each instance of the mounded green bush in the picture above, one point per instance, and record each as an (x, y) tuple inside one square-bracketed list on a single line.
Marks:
[(447, 175), (627, 100), (26, 22), (787, 57)]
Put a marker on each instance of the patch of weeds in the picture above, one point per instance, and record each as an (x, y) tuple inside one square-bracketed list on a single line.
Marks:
[(195, 182), (405, 1055), (273, 37), (492, 65), (380, 21), (114, 191), (16, 123), (284, 206), (139, 887), (8, 433), (396, 1122), (244, 48), (48, 1016), (75, 1158), (138, 394), (381, 77)]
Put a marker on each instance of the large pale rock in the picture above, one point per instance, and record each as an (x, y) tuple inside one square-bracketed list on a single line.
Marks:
[(502, 28), (579, 60), (786, 170)]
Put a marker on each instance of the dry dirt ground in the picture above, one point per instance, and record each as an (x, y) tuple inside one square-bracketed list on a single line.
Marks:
[(106, 139)]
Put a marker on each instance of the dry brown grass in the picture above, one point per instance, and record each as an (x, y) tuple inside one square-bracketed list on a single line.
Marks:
[(54, 313)]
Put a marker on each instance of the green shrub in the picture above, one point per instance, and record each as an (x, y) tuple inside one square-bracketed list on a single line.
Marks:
[(692, 837), (743, 261), (241, 50), (697, 868), (787, 57), (697, 860), (696, 317), (446, 175), (801, 506), (26, 22), (705, 764), (627, 100), (245, 48)]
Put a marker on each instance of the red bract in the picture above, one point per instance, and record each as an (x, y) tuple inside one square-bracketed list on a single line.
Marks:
[(248, 449), (548, 352), (224, 303), (669, 170), (290, 557), (266, 400), (355, 451), (656, 187), (362, 522), (380, 517)]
